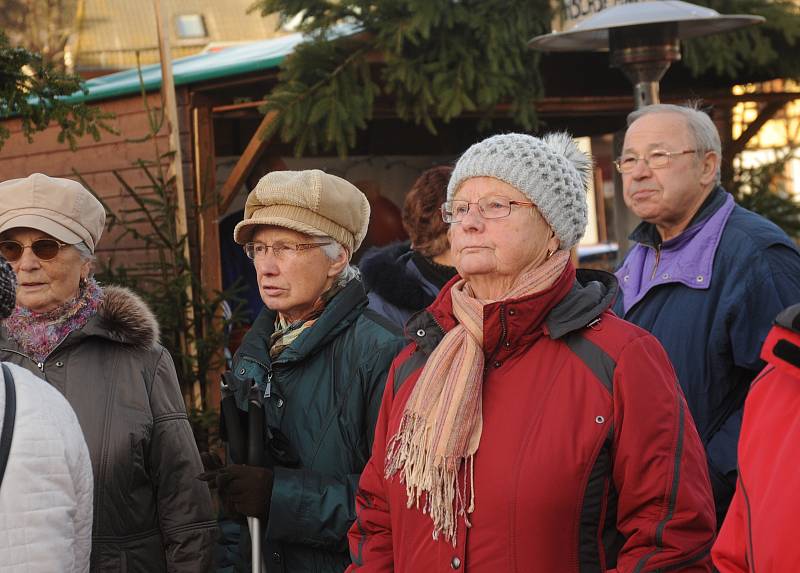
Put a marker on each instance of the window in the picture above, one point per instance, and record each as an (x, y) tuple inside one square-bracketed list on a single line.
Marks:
[(191, 26)]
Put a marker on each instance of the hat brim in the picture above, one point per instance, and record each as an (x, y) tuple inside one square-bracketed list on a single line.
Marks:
[(43, 224), (243, 232)]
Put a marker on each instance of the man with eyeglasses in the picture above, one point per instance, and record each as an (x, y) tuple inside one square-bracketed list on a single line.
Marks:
[(705, 275)]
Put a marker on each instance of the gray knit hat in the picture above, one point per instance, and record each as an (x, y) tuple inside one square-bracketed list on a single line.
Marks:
[(552, 172)]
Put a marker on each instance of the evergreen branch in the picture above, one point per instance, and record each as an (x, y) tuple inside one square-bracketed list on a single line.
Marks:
[(33, 90), (440, 59)]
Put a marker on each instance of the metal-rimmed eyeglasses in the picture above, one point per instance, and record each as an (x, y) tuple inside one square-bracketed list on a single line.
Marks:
[(655, 159), (490, 207), (43, 249), (281, 249)]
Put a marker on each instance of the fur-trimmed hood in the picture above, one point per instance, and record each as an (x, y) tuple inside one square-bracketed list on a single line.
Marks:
[(127, 318)]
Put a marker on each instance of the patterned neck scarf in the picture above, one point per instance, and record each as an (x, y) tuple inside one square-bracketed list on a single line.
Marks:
[(286, 332), (442, 420), (38, 333)]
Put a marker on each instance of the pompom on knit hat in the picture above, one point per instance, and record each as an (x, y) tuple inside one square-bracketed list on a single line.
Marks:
[(551, 171), (8, 289), (311, 202)]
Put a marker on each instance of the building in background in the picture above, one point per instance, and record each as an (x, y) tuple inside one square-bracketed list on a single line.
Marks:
[(778, 134), (107, 35)]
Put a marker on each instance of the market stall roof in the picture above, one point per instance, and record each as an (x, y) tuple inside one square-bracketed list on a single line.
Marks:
[(236, 60)]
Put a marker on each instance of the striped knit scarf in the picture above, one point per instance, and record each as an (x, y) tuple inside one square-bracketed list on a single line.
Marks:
[(442, 420)]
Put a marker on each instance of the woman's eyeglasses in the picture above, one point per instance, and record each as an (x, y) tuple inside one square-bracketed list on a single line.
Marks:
[(279, 249), (491, 207), (44, 249)]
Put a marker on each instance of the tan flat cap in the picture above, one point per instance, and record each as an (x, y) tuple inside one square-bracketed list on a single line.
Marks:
[(311, 202), (62, 208)]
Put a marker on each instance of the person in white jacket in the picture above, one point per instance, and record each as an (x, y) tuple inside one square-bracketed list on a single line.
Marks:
[(46, 490)]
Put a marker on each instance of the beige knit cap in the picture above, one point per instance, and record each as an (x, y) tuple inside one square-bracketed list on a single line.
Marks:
[(311, 202)]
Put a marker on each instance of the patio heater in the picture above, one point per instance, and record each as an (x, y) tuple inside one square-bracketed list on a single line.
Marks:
[(643, 38)]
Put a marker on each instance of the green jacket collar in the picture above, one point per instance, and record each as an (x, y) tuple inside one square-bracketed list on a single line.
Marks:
[(341, 312)]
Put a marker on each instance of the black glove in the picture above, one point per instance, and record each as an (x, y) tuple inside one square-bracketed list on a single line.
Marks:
[(210, 461), (244, 490)]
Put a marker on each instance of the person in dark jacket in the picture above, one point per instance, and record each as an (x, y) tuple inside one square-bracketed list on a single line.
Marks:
[(760, 530), (99, 347), (403, 278), (525, 427), (706, 277), (320, 359)]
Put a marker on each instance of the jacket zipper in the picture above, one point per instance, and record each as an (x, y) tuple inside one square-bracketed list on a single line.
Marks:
[(268, 389), (39, 365), (503, 334), (655, 266)]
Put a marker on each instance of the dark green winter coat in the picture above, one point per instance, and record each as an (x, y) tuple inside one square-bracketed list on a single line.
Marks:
[(324, 392)]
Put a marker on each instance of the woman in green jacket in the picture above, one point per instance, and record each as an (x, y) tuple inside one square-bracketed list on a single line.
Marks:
[(320, 359)]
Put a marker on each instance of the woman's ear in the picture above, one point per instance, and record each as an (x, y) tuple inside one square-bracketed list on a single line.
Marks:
[(340, 263), (553, 242), (86, 269)]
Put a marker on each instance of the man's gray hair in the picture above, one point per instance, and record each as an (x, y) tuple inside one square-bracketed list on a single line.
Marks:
[(706, 136), (332, 250)]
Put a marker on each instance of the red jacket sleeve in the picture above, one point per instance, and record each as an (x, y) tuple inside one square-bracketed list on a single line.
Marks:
[(729, 549), (665, 508), (370, 536)]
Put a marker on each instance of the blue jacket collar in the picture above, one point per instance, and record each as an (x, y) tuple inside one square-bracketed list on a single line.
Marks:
[(687, 259)]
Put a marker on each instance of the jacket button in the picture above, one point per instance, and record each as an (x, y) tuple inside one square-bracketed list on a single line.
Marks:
[(242, 371), (455, 563), (511, 312), (507, 344), (276, 557), (279, 403), (59, 364), (420, 333), (497, 364)]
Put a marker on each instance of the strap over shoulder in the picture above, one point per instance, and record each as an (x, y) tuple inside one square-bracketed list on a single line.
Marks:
[(9, 416)]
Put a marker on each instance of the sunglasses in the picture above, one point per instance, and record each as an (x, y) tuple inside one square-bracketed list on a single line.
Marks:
[(44, 249)]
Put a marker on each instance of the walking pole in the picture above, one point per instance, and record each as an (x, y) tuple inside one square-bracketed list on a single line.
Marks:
[(255, 457)]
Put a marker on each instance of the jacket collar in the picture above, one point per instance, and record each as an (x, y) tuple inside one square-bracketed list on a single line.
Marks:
[(687, 259), (782, 346), (394, 273), (342, 310), (122, 317), (572, 303), (646, 233)]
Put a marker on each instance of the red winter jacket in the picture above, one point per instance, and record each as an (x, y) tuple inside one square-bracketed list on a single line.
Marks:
[(588, 460), (760, 530)]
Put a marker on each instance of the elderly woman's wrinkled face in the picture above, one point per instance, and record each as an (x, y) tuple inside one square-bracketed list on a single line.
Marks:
[(293, 281), (45, 285), (491, 253)]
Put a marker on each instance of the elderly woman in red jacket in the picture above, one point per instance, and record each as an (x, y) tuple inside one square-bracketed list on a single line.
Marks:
[(525, 427)]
